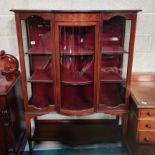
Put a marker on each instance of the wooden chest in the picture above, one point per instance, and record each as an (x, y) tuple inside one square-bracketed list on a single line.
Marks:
[(12, 123), (141, 128)]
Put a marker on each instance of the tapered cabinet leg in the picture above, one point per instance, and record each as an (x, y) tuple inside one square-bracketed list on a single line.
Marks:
[(28, 132), (125, 125)]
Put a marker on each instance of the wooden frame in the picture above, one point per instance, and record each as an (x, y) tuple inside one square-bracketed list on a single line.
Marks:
[(57, 58)]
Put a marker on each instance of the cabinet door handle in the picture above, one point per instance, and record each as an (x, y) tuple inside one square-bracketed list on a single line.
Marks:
[(146, 139), (148, 126), (149, 114)]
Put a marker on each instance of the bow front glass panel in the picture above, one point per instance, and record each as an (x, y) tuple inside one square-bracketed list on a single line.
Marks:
[(77, 52)]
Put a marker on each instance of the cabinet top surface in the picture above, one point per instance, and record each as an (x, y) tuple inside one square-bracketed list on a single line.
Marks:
[(143, 90), (74, 11), (7, 82)]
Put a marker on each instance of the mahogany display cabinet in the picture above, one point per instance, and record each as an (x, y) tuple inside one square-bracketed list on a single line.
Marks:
[(75, 62)]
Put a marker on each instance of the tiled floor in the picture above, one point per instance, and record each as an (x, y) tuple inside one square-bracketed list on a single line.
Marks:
[(53, 148)]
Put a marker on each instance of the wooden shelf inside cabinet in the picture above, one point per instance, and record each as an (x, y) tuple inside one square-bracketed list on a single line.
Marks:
[(112, 94), (113, 101), (40, 101), (76, 107), (39, 49), (38, 53), (41, 62), (113, 50), (111, 77), (41, 76), (71, 78), (78, 52), (112, 109)]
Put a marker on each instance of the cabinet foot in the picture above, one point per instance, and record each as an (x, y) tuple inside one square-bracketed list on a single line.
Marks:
[(30, 146)]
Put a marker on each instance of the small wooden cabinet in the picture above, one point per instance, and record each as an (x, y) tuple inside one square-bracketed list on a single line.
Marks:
[(75, 62), (141, 129), (144, 123), (12, 124)]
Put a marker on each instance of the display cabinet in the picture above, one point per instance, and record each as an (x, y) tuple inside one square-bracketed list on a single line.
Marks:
[(75, 62)]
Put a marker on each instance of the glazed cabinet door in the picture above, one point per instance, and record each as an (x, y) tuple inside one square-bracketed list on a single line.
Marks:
[(76, 55), (37, 61), (115, 66)]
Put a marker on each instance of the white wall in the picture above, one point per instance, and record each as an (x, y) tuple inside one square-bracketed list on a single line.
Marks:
[(144, 57)]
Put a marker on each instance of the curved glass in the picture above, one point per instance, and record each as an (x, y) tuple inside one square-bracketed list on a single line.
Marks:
[(77, 49)]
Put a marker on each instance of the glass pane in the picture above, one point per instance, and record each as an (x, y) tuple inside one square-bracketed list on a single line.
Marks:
[(40, 68), (77, 40), (112, 94), (36, 34), (112, 35), (126, 47), (114, 61), (77, 48), (42, 95), (39, 35), (77, 97), (110, 68)]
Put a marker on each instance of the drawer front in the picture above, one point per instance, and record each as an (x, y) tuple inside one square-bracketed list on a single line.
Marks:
[(147, 113), (146, 152), (77, 17), (146, 137), (146, 125)]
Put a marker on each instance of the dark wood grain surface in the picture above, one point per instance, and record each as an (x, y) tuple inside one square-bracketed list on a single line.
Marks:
[(143, 89)]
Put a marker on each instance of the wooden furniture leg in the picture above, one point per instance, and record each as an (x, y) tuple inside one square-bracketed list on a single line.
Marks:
[(125, 124), (28, 132)]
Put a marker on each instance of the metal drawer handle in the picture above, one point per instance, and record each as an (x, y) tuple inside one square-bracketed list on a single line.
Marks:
[(146, 139), (148, 125), (149, 113)]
